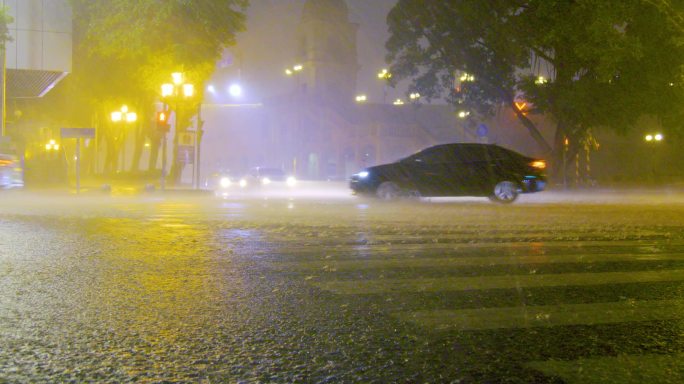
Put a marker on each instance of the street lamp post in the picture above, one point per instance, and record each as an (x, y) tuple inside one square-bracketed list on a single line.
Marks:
[(295, 72), (124, 116), (384, 75), (176, 90), (653, 138)]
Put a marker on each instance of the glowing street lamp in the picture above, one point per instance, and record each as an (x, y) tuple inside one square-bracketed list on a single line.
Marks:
[(463, 114), (176, 90), (361, 98), (52, 146), (123, 115), (654, 137), (384, 75), (398, 102), (414, 96)]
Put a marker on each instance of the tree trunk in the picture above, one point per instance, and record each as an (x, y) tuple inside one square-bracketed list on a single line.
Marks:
[(137, 150)]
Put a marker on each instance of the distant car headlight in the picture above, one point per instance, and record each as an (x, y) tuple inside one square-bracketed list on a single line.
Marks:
[(243, 183), (265, 181), (363, 174), (291, 181), (225, 182)]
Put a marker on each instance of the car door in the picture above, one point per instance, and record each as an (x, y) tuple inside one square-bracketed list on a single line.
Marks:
[(462, 168), (437, 172)]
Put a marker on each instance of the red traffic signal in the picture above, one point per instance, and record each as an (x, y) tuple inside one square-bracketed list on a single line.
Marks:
[(163, 121)]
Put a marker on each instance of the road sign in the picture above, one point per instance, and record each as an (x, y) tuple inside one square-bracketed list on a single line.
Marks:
[(77, 133)]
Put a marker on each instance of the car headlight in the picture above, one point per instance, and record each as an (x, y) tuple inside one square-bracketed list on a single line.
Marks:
[(243, 183), (291, 181), (265, 181), (363, 174), (224, 182)]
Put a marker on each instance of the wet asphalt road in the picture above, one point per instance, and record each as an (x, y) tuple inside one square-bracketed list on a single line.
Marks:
[(556, 288)]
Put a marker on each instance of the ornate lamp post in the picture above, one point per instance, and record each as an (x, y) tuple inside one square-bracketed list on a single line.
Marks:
[(175, 91), (124, 116)]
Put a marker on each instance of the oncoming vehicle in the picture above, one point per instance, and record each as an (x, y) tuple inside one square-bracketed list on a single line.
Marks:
[(222, 183), (267, 177), (459, 169)]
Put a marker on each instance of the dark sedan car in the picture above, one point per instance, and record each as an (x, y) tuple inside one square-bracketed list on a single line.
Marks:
[(461, 169)]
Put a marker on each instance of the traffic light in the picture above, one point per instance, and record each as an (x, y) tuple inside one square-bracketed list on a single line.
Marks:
[(163, 121)]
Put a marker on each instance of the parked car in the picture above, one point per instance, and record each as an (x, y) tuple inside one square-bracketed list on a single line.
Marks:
[(460, 169), (11, 171)]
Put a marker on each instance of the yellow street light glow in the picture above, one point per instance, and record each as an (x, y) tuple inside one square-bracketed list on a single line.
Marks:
[(124, 108), (288, 72), (658, 137), (188, 90), (361, 98), (463, 114), (177, 78), (48, 147), (398, 102), (541, 80), (298, 67), (467, 77), (117, 116), (131, 117), (414, 96), (384, 74), (167, 89), (649, 137)]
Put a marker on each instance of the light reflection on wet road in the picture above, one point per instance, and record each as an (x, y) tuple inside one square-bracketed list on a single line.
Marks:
[(171, 289)]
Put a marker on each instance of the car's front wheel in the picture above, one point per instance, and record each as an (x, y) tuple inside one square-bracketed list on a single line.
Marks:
[(388, 191), (505, 192)]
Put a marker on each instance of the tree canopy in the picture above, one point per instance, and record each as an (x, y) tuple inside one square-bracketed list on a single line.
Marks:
[(610, 62), (124, 50)]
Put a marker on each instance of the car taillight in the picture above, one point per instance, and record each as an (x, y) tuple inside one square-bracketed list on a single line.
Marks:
[(5, 163), (538, 164)]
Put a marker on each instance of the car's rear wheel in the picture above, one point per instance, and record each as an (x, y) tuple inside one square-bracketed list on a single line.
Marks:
[(505, 192), (388, 191)]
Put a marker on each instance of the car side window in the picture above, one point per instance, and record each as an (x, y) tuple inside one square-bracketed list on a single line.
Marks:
[(434, 156)]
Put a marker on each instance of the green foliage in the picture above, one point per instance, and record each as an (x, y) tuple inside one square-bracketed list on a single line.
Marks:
[(611, 61), (5, 20)]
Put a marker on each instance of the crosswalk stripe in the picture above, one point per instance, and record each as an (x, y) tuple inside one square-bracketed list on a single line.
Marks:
[(444, 262), (354, 287), (624, 369), (547, 315)]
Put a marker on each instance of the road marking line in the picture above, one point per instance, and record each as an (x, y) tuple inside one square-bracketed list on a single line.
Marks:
[(355, 287), (625, 369), (547, 315), (442, 262)]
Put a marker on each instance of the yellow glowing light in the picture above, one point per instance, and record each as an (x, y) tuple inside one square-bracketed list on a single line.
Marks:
[(288, 72), (298, 67), (48, 147), (177, 78), (541, 80), (658, 137), (384, 74), (463, 114), (649, 137), (188, 90), (539, 164), (361, 98), (117, 116), (131, 117), (124, 108), (414, 96), (167, 90), (398, 102)]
